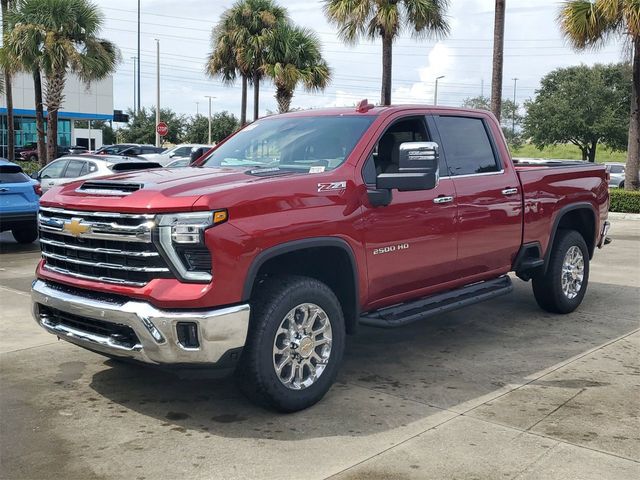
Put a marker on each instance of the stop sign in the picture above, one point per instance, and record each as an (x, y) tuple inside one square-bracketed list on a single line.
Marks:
[(162, 129)]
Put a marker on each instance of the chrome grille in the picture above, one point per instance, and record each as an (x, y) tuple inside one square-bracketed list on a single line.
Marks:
[(102, 246)]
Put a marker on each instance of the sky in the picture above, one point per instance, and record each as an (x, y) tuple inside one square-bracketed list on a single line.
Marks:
[(533, 47)]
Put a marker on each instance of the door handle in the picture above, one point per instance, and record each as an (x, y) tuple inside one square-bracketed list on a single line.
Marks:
[(443, 200), (509, 191)]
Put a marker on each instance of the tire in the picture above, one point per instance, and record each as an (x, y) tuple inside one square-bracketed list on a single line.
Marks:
[(277, 299), (621, 184), (33, 158), (25, 235), (548, 288)]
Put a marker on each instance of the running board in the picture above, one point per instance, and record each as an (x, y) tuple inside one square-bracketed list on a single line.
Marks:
[(405, 313)]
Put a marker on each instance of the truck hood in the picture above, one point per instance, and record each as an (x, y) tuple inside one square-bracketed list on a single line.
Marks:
[(157, 190)]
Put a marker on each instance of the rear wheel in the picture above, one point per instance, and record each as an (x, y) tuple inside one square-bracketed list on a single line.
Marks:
[(33, 157), (621, 184), (562, 288), (295, 344), (25, 234)]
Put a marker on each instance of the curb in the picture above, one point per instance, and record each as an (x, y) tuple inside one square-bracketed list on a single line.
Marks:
[(624, 216)]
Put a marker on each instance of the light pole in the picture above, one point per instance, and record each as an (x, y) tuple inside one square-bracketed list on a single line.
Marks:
[(157, 91), (138, 60), (197, 108), (435, 94), (134, 83), (209, 97), (513, 117)]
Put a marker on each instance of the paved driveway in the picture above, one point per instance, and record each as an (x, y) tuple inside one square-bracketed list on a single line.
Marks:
[(501, 390)]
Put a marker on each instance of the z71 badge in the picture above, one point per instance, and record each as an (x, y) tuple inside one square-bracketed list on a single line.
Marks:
[(332, 186)]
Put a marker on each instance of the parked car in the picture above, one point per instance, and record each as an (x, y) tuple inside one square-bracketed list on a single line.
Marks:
[(19, 197), (128, 149), (616, 174), (31, 154), (78, 149), (73, 167), (179, 163), (302, 226), (179, 151)]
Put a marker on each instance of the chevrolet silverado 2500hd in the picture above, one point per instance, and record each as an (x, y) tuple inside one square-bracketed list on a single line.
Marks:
[(298, 228)]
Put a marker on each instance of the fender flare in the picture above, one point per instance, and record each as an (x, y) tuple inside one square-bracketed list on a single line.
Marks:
[(302, 244), (559, 216)]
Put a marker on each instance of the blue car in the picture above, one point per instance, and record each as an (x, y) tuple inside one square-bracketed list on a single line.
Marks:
[(19, 200)]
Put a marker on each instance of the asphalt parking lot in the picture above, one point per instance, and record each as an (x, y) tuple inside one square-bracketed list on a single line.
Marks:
[(501, 390)]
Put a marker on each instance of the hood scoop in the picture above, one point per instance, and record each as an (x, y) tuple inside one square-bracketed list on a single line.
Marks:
[(105, 187)]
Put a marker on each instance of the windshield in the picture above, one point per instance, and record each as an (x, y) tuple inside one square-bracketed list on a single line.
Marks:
[(303, 144)]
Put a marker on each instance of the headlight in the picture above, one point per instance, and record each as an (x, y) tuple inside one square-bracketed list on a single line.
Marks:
[(180, 239)]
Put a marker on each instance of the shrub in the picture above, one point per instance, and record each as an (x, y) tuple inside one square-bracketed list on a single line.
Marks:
[(624, 201)]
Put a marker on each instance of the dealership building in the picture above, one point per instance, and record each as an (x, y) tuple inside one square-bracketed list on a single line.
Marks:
[(81, 102)]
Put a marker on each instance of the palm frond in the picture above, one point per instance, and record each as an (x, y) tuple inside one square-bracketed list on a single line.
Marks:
[(586, 24)]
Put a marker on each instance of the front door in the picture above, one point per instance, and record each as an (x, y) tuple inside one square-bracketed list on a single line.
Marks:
[(411, 243)]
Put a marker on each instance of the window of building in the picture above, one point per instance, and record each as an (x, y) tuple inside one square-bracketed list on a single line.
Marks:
[(467, 146)]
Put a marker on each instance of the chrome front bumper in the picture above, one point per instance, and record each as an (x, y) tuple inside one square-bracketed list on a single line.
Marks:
[(219, 331)]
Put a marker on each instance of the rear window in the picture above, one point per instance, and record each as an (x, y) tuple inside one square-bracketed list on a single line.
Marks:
[(12, 174)]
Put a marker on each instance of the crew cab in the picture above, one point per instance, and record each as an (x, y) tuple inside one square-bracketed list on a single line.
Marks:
[(301, 227)]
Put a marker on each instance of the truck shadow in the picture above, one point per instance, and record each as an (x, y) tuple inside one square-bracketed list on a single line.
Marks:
[(9, 245), (390, 378)]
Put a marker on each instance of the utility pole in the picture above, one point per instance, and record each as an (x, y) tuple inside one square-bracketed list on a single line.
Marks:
[(134, 83), (137, 107), (209, 97), (498, 54), (513, 119), (435, 94), (157, 91), (482, 87), (197, 109)]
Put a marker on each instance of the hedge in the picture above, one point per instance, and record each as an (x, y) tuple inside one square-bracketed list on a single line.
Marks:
[(624, 201)]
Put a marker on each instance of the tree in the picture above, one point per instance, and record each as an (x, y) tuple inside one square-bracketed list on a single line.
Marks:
[(387, 19), (590, 24), (498, 51), (244, 32), (223, 124), (581, 105), (142, 126), (294, 57), (63, 36), (7, 87), (510, 115)]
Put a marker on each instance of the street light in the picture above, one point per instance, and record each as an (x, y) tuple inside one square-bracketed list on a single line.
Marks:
[(435, 95), (209, 97), (157, 91), (134, 83)]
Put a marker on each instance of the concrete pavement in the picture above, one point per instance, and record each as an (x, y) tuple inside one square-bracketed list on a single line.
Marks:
[(499, 390)]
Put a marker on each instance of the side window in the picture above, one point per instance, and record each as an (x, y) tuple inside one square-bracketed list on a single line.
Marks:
[(617, 169), (54, 170), (467, 146), (386, 153), (74, 169), (91, 167), (182, 152)]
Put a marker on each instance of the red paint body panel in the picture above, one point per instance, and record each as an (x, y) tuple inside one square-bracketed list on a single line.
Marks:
[(474, 238)]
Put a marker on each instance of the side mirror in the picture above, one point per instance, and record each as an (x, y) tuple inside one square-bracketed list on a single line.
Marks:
[(35, 175), (418, 168)]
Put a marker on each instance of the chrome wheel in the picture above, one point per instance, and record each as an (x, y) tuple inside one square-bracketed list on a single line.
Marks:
[(572, 272), (302, 346)]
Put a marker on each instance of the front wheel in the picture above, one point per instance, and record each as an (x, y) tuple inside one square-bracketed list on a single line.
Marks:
[(25, 234), (295, 343), (562, 288)]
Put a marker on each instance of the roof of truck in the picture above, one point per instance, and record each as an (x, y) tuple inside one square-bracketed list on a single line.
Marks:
[(376, 110)]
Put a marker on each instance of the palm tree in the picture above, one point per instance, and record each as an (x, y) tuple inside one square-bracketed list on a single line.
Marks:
[(248, 24), (386, 19), (222, 61), (498, 54), (58, 37), (590, 24), (294, 57), (6, 86)]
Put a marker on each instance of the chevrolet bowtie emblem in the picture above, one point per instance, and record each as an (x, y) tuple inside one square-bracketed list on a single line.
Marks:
[(75, 227)]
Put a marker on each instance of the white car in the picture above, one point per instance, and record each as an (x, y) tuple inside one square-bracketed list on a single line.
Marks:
[(75, 167), (179, 151)]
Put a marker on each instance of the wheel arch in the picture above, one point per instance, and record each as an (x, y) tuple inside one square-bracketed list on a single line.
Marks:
[(577, 216), (328, 259)]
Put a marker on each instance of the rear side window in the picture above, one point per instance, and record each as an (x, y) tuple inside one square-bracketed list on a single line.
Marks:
[(54, 170), (74, 169), (617, 169), (466, 145), (12, 174)]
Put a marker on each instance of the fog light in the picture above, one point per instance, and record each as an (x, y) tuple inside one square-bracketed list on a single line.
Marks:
[(188, 334)]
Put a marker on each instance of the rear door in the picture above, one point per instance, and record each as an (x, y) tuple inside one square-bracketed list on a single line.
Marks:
[(488, 195), (16, 191)]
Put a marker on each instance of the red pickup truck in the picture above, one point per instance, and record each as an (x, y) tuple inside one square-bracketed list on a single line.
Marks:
[(302, 226)]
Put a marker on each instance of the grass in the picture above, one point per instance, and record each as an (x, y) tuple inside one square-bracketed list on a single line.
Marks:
[(567, 152)]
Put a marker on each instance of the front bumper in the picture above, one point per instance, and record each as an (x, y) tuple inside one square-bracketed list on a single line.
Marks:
[(156, 341)]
